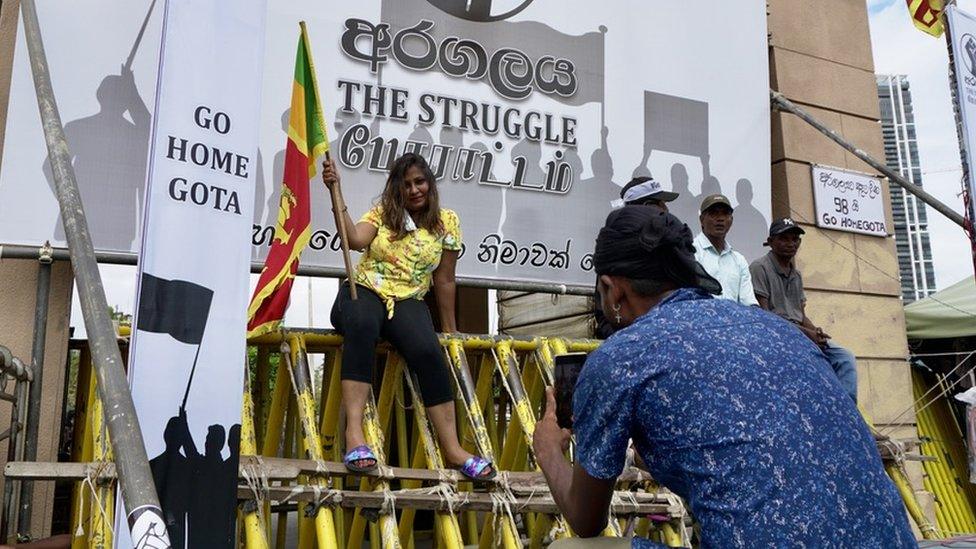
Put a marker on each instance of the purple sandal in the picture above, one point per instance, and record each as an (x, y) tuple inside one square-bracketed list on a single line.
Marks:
[(474, 469), (360, 453)]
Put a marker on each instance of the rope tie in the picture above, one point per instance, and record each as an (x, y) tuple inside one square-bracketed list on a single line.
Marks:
[(321, 470), (256, 479), (502, 500), (385, 471), (89, 481)]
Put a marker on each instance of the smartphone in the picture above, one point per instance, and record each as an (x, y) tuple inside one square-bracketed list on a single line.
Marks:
[(568, 368)]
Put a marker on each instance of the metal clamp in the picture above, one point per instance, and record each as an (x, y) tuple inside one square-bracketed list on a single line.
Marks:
[(45, 254)]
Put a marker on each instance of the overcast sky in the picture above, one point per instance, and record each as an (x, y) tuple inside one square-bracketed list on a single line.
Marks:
[(898, 49), (901, 49)]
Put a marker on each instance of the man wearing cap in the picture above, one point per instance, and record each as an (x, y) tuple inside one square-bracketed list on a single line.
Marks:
[(779, 289), (644, 191), (716, 255)]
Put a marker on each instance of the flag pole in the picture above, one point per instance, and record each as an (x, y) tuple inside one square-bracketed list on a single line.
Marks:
[(338, 210), (189, 382), (142, 31)]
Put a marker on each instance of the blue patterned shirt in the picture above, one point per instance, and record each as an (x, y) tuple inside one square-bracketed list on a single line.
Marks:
[(737, 412)]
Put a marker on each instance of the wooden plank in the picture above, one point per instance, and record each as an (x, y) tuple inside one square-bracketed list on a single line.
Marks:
[(282, 469), (466, 501)]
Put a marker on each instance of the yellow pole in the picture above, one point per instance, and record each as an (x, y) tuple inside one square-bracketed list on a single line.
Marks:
[(672, 534), (908, 496), (255, 536), (103, 506), (82, 502), (289, 451), (483, 394), (259, 396), (329, 430), (374, 418), (330, 410), (408, 514), (462, 376), (508, 368), (297, 363), (450, 530)]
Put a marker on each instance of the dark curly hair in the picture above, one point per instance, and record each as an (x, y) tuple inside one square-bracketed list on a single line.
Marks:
[(394, 199)]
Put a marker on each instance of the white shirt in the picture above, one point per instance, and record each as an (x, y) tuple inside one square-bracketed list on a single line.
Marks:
[(729, 267)]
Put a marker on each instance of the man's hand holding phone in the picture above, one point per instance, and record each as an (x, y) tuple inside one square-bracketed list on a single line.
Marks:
[(549, 436)]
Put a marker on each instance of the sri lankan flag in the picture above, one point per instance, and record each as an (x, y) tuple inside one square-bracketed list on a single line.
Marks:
[(927, 15), (307, 140)]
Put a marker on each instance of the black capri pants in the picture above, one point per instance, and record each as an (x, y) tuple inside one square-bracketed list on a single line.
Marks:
[(411, 332)]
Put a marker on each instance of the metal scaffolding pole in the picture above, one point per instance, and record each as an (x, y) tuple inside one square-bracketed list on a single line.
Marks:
[(781, 102), (131, 461), (37, 365)]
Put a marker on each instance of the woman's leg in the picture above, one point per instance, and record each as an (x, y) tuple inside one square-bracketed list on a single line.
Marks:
[(412, 333), (360, 322)]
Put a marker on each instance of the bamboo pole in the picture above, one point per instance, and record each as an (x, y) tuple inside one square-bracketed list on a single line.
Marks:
[(780, 101), (339, 211)]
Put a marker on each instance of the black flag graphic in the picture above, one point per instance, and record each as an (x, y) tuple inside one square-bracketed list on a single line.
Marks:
[(175, 307)]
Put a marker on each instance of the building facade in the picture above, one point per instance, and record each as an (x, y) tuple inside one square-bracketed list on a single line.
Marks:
[(901, 155)]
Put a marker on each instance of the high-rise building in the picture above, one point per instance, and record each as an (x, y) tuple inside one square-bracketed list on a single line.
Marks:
[(901, 155)]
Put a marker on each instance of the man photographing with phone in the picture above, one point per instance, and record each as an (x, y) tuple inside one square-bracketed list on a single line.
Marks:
[(730, 407)]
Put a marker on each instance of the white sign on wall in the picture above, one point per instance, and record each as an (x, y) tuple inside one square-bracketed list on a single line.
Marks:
[(533, 113), (849, 201)]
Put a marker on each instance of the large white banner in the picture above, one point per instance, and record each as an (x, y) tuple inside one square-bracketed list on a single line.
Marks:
[(963, 30), (533, 112), (187, 354)]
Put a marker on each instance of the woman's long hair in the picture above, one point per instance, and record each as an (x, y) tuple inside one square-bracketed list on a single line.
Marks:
[(394, 200)]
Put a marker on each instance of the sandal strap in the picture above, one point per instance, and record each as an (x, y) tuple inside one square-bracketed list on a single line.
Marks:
[(358, 453), (474, 466)]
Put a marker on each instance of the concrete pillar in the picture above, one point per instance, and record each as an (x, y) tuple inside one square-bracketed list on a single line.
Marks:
[(820, 57), (18, 280)]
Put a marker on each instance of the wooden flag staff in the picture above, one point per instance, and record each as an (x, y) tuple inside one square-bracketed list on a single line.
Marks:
[(339, 210)]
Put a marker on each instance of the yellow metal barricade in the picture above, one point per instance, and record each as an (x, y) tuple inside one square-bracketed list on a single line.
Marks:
[(498, 403)]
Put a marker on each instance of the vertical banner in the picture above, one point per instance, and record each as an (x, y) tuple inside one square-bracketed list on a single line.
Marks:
[(187, 356), (962, 52), (962, 61)]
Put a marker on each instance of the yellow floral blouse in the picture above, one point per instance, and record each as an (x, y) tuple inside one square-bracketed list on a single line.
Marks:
[(403, 269)]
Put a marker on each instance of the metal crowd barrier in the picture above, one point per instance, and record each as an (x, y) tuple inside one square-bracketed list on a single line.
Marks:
[(291, 470), (292, 478)]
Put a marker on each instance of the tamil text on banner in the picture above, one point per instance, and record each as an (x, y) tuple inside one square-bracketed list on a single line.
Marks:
[(187, 352), (963, 30), (307, 141), (534, 113)]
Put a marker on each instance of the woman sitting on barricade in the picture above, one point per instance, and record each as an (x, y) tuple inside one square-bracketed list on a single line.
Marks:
[(410, 243)]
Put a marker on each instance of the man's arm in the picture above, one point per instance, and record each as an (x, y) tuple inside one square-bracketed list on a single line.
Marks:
[(445, 290), (747, 293), (582, 499), (760, 285), (810, 329)]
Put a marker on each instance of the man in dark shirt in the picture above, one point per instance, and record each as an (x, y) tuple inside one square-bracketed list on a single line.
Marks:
[(779, 289)]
